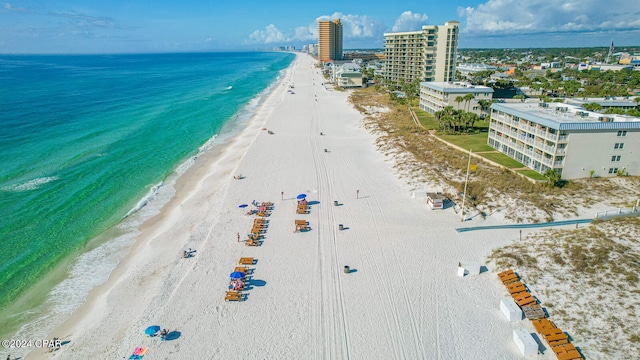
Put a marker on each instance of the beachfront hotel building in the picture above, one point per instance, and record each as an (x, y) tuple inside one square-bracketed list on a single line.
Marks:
[(575, 142), (329, 40), (428, 54), (436, 95)]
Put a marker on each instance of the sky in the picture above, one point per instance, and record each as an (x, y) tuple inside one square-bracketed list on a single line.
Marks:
[(133, 26)]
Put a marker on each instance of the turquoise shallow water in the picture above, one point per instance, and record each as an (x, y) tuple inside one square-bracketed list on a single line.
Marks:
[(84, 138)]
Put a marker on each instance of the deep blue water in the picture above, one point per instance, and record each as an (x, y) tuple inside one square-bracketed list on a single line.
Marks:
[(84, 138)]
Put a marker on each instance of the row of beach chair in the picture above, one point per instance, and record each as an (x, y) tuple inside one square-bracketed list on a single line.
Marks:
[(558, 340), (258, 229), (243, 266)]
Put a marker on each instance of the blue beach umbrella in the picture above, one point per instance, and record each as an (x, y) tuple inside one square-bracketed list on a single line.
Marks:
[(237, 275), (152, 330), (243, 206), (302, 196)]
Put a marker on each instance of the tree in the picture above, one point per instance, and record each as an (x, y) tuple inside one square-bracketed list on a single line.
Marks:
[(411, 89), (458, 100), (485, 104), (553, 177), (614, 111), (467, 98), (592, 106)]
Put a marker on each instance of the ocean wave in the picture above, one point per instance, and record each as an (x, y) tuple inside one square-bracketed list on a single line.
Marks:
[(30, 185), (89, 270), (153, 192)]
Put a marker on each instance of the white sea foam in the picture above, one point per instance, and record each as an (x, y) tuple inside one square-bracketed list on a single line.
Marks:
[(153, 192), (30, 185), (90, 270)]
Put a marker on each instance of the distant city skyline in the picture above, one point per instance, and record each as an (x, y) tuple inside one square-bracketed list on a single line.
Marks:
[(119, 26)]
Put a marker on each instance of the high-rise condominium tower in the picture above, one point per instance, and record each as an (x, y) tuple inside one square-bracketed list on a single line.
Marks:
[(329, 40), (428, 54)]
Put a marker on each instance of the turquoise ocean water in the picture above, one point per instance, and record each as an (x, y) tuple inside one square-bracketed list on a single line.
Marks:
[(87, 143)]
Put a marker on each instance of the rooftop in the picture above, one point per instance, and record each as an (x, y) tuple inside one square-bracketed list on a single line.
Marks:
[(563, 116), (456, 87), (611, 102)]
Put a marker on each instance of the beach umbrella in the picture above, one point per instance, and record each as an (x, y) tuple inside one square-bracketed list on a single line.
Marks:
[(237, 275), (152, 330), (243, 206), (302, 196)]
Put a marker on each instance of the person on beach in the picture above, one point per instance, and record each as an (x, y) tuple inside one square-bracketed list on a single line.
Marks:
[(163, 334), (185, 254)]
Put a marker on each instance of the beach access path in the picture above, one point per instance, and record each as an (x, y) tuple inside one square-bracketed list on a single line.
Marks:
[(401, 300)]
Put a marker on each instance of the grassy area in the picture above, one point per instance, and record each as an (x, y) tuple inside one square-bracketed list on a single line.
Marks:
[(427, 120), (475, 142), (503, 160), (532, 175)]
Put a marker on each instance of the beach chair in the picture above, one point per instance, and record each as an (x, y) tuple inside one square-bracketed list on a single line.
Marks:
[(555, 337), (516, 287), (246, 261), (252, 242), (566, 352), (524, 299), (262, 213), (254, 236), (233, 296), (243, 269), (258, 230), (301, 225), (534, 312), (509, 278), (543, 325)]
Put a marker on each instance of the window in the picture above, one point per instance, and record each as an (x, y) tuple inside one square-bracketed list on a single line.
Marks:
[(615, 158), (613, 170), (619, 146), (622, 133)]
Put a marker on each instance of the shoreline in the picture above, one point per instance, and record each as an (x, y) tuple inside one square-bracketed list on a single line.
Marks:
[(183, 186), (139, 218), (402, 296)]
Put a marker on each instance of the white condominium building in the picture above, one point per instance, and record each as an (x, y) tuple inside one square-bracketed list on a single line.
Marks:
[(575, 142), (435, 96), (428, 54)]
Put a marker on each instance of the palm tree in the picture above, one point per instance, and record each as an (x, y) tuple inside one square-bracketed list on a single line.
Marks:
[(438, 115), (593, 106), (467, 98), (458, 100), (553, 176)]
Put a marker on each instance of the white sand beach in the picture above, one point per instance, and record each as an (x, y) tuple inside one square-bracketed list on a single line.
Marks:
[(401, 300)]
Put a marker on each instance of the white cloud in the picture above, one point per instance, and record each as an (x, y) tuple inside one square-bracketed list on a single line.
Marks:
[(358, 26), (270, 34), (7, 6), (408, 21), (353, 27), (543, 16)]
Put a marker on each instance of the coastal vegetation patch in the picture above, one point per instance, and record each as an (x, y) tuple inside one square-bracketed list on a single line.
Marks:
[(587, 279), (424, 161)]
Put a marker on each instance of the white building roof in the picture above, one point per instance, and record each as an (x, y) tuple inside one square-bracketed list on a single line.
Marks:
[(456, 87), (563, 116)]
